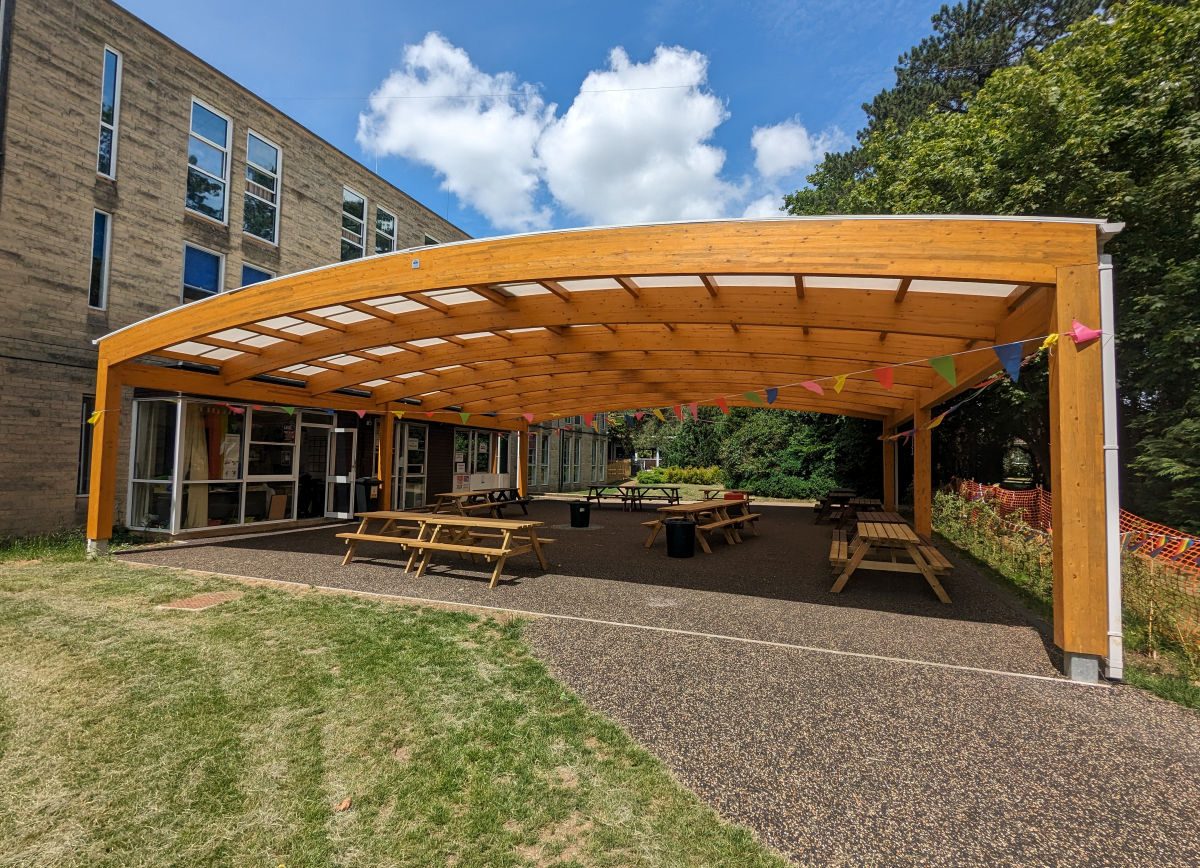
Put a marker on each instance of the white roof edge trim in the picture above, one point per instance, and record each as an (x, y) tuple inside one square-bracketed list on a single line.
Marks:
[(1103, 227)]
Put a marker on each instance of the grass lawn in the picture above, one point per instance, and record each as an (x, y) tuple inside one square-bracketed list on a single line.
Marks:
[(134, 736)]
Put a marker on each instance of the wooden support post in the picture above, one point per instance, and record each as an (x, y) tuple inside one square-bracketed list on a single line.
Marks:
[(889, 470), (922, 471), (387, 442), (523, 461), (106, 434), (1077, 470)]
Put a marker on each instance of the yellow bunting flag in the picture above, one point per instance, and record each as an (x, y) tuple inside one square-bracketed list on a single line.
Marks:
[(399, 414), (839, 383), (95, 417), (658, 414), (1050, 341), (936, 422)]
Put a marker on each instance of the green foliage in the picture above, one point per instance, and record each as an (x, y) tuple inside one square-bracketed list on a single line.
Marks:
[(1103, 122), (680, 476)]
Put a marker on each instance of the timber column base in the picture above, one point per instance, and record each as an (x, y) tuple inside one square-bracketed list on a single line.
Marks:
[(97, 548), (1082, 667)]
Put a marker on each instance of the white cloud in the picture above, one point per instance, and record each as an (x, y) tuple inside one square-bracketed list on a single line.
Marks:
[(479, 132), (788, 147), (767, 205), (634, 145)]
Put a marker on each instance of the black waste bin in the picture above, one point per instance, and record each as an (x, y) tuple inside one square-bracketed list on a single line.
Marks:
[(681, 537), (581, 513), (366, 493)]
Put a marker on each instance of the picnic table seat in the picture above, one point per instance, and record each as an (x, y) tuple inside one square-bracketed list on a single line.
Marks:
[(839, 549)]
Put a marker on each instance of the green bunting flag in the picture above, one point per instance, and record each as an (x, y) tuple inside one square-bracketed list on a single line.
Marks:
[(291, 411), (754, 397), (464, 417), (944, 365)]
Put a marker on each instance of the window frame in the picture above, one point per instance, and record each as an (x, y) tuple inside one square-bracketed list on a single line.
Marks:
[(278, 187), (379, 232), (362, 234), (270, 275), (115, 126), (226, 149), (83, 462), (183, 299), (107, 263), (428, 240)]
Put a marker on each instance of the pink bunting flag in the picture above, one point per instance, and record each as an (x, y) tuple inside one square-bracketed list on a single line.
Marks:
[(428, 414), (360, 413), (678, 410), (589, 419), (237, 411), (815, 388), (1081, 334), (528, 417), (639, 415), (695, 408), (723, 405), (885, 376)]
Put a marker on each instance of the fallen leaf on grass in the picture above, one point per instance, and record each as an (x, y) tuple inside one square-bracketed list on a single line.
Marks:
[(343, 805)]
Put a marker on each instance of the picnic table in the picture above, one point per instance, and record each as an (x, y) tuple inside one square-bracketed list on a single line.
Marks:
[(716, 493), (882, 517), (835, 501), (633, 495), (466, 502), (887, 539), (423, 533), (710, 516)]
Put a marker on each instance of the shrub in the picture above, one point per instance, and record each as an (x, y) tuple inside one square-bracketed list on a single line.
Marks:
[(681, 476)]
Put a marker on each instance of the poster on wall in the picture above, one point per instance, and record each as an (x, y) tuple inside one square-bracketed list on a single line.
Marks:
[(231, 454), (462, 481), (460, 467)]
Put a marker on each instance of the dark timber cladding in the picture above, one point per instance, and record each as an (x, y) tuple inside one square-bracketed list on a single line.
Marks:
[(556, 323)]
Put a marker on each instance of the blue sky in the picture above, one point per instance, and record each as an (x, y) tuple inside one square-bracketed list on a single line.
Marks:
[(664, 130)]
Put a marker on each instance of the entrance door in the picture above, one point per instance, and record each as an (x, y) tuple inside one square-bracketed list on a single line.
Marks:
[(339, 479), (314, 470)]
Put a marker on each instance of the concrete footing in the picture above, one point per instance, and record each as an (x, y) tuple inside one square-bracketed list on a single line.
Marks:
[(1081, 667), (97, 548)]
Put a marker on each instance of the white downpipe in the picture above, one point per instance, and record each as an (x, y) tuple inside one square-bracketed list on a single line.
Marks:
[(1112, 497)]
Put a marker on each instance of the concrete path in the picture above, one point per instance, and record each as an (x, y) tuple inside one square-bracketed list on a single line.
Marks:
[(872, 727)]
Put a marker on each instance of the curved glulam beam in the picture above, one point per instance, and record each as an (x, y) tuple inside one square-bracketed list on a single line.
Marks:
[(852, 310), (696, 378), (548, 410), (1016, 251), (847, 352), (775, 367)]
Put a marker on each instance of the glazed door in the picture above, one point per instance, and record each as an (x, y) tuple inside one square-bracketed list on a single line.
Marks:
[(339, 479)]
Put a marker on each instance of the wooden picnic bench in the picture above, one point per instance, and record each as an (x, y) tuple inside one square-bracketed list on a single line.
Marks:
[(710, 516), (493, 539), (466, 503), (833, 504), (887, 539), (506, 497)]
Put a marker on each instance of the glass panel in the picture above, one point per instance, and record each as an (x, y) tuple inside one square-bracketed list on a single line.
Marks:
[(414, 493), (151, 505), (339, 499), (251, 275), (354, 204), (204, 156), (258, 218), (271, 501), (154, 439), (108, 92), (343, 454), (483, 452), (270, 459), (99, 253), (263, 155), (350, 251), (83, 476), (353, 226), (414, 450), (205, 194), (201, 271), (210, 504), (272, 426), (210, 125), (260, 183), (385, 222), (212, 442), (104, 154), (384, 244)]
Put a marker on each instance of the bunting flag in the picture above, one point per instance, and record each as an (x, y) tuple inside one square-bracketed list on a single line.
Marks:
[(695, 408), (359, 413), (944, 365), (237, 411), (639, 415), (628, 420), (754, 397), (936, 422), (658, 414), (528, 417), (723, 405), (1010, 356), (464, 417), (428, 414), (815, 388), (95, 417), (772, 394), (589, 419), (839, 383), (1081, 334), (399, 414), (291, 411), (678, 411), (1050, 341), (256, 406), (885, 376)]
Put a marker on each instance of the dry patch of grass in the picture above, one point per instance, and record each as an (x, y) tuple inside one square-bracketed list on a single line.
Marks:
[(307, 729)]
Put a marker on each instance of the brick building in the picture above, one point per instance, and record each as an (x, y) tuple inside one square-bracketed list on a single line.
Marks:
[(135, 177)]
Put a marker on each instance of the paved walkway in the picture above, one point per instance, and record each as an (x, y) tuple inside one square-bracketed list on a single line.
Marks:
[(873, 727)]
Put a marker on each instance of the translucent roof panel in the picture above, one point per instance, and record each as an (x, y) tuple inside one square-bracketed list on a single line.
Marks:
[(650, 282), (520, 289), (589, 284), (754, 280), (191, 348), (963, 287), (883, 283)]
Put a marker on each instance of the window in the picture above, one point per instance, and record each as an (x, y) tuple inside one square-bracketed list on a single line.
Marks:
[(83, 473), (101, 243), (208, 162), (354, 225), (429, 239), (110, 114), (260, 216), (202, 272), (253, 274), (385, 231)]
